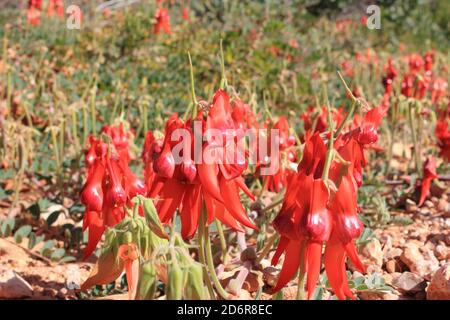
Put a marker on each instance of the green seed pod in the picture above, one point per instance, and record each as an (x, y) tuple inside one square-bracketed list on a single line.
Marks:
[(174, 289), (127, 237), (147, 282), (194, 289)]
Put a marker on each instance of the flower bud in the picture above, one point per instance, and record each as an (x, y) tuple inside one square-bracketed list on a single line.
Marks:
[(194, 289), (189, 170), (174, 290), (164, 165), (147, 282)]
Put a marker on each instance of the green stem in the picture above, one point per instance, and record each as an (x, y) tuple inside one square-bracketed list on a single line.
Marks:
[(223, 242), (92, 104), (348, 116), (223, 80), (267, 247), (201, 255), (301, 274), (414, 138), (191, 71), (330, 152), (210, 265)]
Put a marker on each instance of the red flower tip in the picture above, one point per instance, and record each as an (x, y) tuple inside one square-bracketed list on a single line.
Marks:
[(164, 165)]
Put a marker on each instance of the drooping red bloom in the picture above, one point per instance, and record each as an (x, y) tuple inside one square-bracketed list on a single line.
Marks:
[(110, 184), (55, 7), (314, 215), (286, 156), (390, 74), (429, 60), (429, 174), (442, 133), (415, 62), (185, 13), (187, 185), (438, 89), (34, 12), (317, 121), (162, 21)]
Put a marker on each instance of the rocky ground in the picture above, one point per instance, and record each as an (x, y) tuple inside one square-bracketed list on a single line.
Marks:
[(413, 260)]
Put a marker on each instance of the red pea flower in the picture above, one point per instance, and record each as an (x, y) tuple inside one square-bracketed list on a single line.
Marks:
[(429, 174), (55, 7), (314, 215), (162, 21), (34, 12), (187, 185), (110, 184), (442, 133)]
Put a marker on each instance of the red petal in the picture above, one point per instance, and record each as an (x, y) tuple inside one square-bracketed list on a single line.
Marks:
[(313, 254), (233, 203), (171, 196), (208, 178), (290, 265), (190, 213)]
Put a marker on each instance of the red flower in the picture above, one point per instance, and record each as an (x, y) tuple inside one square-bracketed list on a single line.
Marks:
[(162, 21), (55, 7), (429, 174), (110, 184), (34, 12), (313, 215), (185, 13), (438, 89), (442, 132), (186, 185), (286, 157)]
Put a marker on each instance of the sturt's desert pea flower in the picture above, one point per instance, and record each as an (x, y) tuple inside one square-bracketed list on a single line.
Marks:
[(110, 184), (55, 7), (429, 174), (187, 185), (442, 133), (34, 12), (287, 156), (320, 210), (162, 21)]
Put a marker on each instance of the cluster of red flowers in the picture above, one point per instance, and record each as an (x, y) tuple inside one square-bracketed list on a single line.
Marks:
[(54, 7), (110, 184), (163, 19), (287, 156), (317, 211), (442, 132), (419, 79), (187, 185)]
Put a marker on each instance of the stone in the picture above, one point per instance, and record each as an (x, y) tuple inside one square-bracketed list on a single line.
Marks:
[(393, 253), (13, 286), (409, 282), (443, 205), (439, 288), (372, 253), (410, 206), (441, 252), (270, 276), (419, 263), (377, 295), (391, 266)]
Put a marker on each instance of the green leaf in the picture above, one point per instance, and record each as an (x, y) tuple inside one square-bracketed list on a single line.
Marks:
[(151, 216), (58, 254), (35, 210), (53, 217), (67, 259), (32, 240), (7, 227), (46, 250), (24, 231)]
